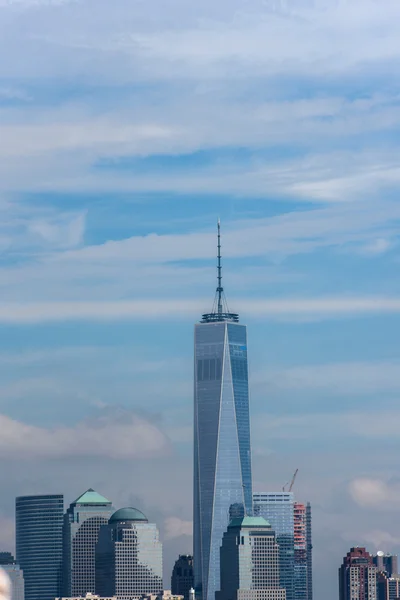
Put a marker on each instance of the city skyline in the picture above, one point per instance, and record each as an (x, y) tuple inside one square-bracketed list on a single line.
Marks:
[(130, 537), (127, 129)]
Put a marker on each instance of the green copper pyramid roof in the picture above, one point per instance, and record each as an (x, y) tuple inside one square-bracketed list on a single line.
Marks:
[(249, 522), (91, 497)]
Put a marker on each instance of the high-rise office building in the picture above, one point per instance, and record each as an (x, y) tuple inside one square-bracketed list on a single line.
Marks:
[(357, 576), (388, 587), (387, 563), (182, 579), (82, 522), (250, 562), (38, 524), (309, 552), (302, 552), (128, 556), (9, 565), (222, 458), (278, 509)]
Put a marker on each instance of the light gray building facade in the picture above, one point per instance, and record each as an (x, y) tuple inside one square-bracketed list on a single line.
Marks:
[(250, 562), (82, 523), (129, 560)]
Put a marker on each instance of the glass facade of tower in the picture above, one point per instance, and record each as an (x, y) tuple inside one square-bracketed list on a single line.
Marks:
[(39, 521), (82, 523), (222, 458), (278, 509)]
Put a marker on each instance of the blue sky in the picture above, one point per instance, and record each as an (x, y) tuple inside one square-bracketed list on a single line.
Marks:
[(127, 128)]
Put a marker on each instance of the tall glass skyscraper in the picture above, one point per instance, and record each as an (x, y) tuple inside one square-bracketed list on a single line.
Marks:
[(278, 509), (38, 521), (222, 457), (82, 523)]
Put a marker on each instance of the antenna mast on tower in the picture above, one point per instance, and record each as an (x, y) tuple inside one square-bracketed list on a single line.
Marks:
[(220, 311), (220, 289)]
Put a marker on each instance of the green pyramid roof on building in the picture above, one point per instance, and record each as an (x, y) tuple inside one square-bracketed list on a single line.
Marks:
[(249, 522), (91, 497)]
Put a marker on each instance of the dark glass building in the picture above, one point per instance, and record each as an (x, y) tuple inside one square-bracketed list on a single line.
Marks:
[(222, 458), (39, 521), (182, 579)]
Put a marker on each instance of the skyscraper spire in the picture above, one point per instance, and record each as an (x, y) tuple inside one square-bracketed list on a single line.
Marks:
[(220, 311), (220, 289)]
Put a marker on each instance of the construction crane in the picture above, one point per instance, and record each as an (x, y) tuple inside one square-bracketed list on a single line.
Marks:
[(291, 483)]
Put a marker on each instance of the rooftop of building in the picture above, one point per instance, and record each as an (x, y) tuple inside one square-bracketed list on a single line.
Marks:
[(249, 522), (91, 497), (89, 596), (128, 514), (6, 558)]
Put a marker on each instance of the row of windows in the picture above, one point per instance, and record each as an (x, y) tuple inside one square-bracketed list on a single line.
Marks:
[(209, 369)]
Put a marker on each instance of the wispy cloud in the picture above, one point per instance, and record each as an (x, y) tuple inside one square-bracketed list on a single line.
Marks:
[(348, 378), (120, 438), (374, 493), (327, 425), (290, 309), (175, 527)]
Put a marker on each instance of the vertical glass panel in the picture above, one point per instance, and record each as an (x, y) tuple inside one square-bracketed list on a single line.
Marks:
[(212, 369), (199, 370), (206, 369)]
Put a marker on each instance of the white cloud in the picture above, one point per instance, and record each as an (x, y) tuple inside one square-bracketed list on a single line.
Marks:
[(289, 233), (175, 527), (282, 308), (121, 438), (210, 57), (346, 378), (373, 425), (375, 493), (30, 228), (66, 231), (258, 36), (105, 136)]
